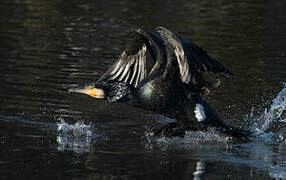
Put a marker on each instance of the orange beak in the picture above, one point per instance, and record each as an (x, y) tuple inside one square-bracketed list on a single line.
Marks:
[(91, 91)]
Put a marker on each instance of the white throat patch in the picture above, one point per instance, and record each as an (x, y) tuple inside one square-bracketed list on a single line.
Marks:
[(200, 112)]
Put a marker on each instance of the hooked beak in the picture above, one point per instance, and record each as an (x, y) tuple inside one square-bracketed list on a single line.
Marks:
[(89, 90)]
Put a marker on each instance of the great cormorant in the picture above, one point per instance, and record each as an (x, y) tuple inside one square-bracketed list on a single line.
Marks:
[(161, 71)]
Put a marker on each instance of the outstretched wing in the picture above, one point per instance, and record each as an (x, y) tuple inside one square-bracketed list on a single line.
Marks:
[(141, 58), (191, 59)]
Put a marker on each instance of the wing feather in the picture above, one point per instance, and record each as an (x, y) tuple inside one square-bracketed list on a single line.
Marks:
[(191, 59), (143, 59), (128, 65)]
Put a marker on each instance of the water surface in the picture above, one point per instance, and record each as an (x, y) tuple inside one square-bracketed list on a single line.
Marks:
[(47, 47)]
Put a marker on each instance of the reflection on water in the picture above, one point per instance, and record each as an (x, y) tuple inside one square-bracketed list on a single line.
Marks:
[(200, 169), (47, 47)]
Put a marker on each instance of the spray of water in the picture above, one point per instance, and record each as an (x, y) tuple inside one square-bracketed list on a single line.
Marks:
[(272, 115), (74, 137)]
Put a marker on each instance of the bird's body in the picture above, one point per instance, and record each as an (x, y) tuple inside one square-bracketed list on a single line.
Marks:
[(162, 72)]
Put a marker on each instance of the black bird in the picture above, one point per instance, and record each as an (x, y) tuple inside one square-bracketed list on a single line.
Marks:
[(162, 72)]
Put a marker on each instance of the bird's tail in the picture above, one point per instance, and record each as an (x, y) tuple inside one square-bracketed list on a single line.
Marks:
[(214, 120)]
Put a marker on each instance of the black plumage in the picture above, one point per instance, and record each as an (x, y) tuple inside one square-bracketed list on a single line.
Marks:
[(162, 72)]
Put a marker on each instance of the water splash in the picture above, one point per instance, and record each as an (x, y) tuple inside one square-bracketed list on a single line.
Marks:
[(76, 137), (272, 115), (78, 129)]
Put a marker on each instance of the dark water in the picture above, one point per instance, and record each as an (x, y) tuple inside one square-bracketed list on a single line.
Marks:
[(47, 47)]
